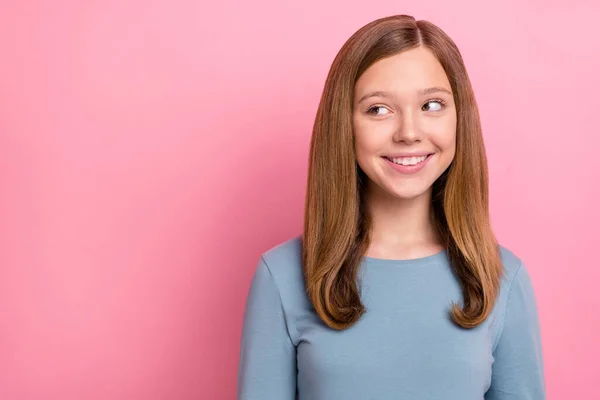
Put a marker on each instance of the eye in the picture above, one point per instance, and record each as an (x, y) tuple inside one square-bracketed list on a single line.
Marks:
[(370, 110), (440, 104)]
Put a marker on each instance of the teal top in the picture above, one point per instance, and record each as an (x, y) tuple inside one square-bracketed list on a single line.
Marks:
[(404, 347)]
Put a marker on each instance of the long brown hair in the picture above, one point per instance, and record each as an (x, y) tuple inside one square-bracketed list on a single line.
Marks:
[(336, 224)]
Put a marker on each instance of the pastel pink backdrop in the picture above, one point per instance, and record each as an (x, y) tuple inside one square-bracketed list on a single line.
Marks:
[(151, 150)]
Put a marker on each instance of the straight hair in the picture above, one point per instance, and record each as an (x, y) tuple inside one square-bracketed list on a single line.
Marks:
[(336, 232)]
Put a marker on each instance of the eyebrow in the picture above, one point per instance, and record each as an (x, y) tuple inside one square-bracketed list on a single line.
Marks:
[(423, 92)]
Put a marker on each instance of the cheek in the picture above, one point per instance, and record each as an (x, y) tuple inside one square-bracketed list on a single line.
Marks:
[(444, 136), (447, 141), (368, 140), (361, 150), (365, 147)]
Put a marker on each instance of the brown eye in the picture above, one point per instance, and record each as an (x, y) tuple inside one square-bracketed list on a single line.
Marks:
[(440, 105), (370, 110)]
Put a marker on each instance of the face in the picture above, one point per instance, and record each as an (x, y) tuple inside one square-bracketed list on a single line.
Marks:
[(404, 120)]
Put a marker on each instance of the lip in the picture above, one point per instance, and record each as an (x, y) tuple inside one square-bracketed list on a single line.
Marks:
[(409, 169), (398, 155)]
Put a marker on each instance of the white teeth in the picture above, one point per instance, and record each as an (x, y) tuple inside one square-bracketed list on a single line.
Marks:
[(408, 160)]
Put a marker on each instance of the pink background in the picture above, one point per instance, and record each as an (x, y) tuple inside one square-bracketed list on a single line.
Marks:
[(151, 150)]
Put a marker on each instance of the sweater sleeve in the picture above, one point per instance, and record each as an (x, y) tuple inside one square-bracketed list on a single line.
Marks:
[(518, 371), (267, 365)]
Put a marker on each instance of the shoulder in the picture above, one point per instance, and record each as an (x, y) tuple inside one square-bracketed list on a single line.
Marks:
[(284, 263), (512, 264), (516, 290), (516, 274), (285, 257)]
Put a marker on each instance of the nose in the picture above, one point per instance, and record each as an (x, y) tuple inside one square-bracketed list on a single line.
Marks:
[(407, 129)]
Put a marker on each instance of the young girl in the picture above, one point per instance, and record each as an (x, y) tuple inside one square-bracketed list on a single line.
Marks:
[(397, 288)]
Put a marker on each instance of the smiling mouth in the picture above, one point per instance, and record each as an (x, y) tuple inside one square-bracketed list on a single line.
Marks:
[(408, 161)]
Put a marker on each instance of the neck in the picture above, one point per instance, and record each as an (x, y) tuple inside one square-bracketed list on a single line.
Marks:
[(400, 228)]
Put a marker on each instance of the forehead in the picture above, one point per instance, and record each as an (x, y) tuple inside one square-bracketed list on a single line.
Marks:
[(403, 73)]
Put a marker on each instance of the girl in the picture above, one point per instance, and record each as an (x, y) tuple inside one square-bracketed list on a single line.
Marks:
[(397, 288)]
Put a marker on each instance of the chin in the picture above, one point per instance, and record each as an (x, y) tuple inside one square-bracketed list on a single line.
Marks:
[(408, 193)]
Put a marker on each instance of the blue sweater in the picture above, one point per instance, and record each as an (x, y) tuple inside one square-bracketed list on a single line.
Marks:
[(404, 347)]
